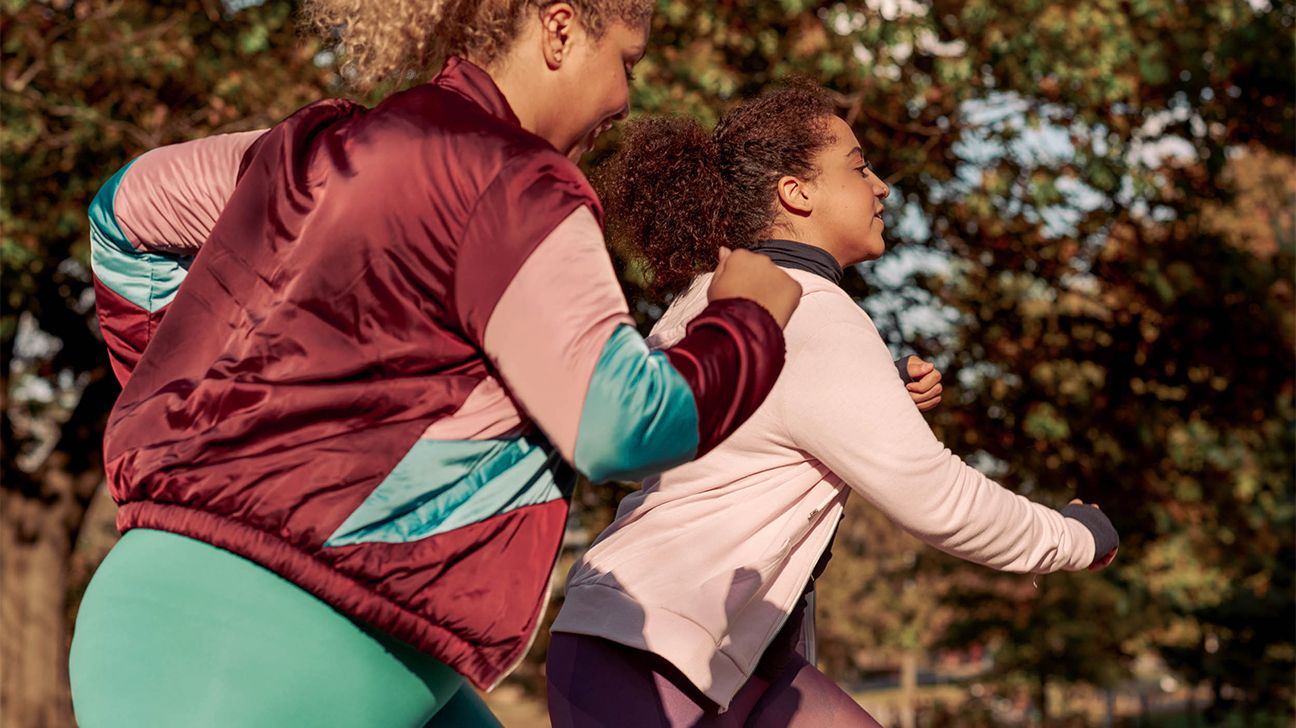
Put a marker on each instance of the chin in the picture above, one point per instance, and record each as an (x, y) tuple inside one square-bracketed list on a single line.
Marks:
[(576, 152), (872, 251)]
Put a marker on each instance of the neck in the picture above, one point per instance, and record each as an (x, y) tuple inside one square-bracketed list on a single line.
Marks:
[(514, 88), (801, 256), (801, 234), (523, 91)]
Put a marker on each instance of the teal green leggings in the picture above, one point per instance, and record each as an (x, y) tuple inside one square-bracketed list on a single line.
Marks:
[(175, 632)]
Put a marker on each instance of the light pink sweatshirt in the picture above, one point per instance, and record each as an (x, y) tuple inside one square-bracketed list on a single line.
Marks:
[(703, 565)]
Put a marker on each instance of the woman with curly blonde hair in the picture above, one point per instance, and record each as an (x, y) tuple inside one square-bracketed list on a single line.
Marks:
[(346, 444)]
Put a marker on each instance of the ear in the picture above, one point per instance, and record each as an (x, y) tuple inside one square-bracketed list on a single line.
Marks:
[(794, 195), (557, 23)]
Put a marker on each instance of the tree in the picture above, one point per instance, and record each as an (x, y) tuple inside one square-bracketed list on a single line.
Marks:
[(88, 85)]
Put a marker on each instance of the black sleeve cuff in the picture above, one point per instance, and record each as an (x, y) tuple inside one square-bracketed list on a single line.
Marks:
[(902, 366), (1104, 533)]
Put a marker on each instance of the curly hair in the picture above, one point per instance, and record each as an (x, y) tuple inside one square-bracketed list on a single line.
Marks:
[(674, 193), (385, 40)]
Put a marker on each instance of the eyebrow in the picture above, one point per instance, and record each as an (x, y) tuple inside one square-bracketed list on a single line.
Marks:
[(856, 150)]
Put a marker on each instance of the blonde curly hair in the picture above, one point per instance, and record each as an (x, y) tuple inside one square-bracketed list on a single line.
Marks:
[(385, 39)]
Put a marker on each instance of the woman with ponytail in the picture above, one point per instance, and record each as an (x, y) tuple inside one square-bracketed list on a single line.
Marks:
[(364, 354), (688, 610)]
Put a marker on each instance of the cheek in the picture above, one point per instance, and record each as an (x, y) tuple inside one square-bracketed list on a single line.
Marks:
[(596, 99), (615, 86), (858, 199), (594, 89), (866, 195), (616, 93)]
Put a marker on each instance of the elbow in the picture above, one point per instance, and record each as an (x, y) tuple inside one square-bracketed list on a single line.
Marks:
[(602, 464), (102, 203), (639, 416), (625, 456), (104, 229), (604, 468), (100, 212)]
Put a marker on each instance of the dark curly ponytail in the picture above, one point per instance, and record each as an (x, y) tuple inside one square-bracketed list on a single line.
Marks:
[(674, 193)]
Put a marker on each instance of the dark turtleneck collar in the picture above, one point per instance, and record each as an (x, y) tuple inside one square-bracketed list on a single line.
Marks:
[(475, 84), (799, 256)]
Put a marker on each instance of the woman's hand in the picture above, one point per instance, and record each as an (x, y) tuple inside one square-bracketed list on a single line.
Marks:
[(1106, 560), (744, 274), (925, 389)]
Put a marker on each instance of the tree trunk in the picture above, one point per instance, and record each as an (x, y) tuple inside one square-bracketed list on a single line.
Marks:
[(909, 689), (35, 556), (1214, 712), (1041, 699), (41, 515)]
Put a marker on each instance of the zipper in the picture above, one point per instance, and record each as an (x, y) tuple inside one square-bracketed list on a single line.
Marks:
[(811, 518), (814, 514), (544, 607)]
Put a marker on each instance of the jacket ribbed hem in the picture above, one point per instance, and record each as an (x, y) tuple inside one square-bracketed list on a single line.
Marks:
[(318, 578), (602, 611)]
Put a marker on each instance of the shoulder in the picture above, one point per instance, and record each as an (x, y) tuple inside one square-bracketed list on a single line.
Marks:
[(830, 329), (536, 173), (450, 128), (430, 141), (673, 324), (824, 308)]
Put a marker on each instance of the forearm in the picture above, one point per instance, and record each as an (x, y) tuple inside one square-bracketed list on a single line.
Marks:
[(650, 411), (731, 357), (961, 512), (858, 419), (612, 407)]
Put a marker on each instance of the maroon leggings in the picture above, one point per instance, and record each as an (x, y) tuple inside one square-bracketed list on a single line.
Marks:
[(594, 682)]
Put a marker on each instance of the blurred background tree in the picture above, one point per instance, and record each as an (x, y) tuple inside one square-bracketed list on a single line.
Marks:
[(87, 86), (1093, 232)]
